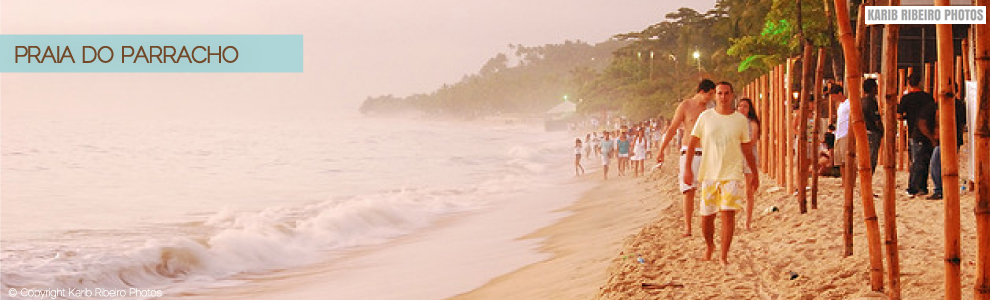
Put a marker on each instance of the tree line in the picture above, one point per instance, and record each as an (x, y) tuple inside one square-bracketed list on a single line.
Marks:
[(641, 74)]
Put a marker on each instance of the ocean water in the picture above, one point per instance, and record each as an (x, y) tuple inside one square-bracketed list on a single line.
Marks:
[(184, 206)]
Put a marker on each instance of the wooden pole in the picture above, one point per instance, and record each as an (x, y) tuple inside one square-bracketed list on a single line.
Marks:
[(788, 130), (775, 109), (802, 142), (775, 96), (981, 148), (891, 93), (782, 123), (768, 143), (854, 78), (819, 73), (771, 125), (784, 143), (763, 117), (764, 140), (772, 129), (902, 126), (949, 157), (848, 186), (849, 167)]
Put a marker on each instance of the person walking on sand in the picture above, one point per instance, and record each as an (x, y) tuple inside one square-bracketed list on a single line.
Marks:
[(577, 157), (623, 146), (723, 135), (587, 146), (606, 148), (745, 107), (639, 154), (684, 117)]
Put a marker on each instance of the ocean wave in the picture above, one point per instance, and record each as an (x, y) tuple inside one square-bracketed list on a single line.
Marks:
[(215, 248), (238, 242)]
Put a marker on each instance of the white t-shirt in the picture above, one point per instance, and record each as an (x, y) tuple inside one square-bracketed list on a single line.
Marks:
[(842, 120), (721, 138)]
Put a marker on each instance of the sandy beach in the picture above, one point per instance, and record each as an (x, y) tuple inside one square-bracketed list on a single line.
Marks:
[(786, 255), (582, 244)]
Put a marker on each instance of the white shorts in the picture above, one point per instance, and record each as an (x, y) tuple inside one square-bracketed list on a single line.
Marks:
[(694, 168), (605, 159), (623, 155), (839, 152), (756, 157)]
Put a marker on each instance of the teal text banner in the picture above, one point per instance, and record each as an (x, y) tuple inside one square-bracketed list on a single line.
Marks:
[(33, 53)]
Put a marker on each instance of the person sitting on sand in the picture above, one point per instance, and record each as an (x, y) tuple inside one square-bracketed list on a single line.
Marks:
[(723, 134), (825, 167)]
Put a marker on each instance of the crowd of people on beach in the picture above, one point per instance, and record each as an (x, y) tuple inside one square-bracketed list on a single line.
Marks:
[(717, 136), (725, 176), (628, 145)]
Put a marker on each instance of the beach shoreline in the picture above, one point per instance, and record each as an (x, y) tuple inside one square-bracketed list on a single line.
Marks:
[(584, 243)]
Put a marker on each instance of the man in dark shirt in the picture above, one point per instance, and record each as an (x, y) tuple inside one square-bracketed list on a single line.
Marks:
[(871, 115), (920, 147)]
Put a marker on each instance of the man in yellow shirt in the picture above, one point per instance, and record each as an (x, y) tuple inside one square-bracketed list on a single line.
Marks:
[(725, 144)]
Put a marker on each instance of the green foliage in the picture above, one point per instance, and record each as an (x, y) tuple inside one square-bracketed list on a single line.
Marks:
[(777, 39), (642, 86)]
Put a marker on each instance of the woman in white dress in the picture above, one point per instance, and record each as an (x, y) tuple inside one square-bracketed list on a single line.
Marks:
[(639, 154), (745, 107)]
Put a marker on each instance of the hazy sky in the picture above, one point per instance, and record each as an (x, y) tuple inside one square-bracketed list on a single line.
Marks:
[(353, 48)]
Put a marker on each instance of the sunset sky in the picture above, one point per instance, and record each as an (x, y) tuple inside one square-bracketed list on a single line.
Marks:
[(353, 49)]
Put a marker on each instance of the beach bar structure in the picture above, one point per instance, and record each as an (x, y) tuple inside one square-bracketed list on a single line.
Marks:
[(946, 56)]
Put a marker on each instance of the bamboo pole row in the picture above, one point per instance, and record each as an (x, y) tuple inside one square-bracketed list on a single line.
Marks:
[(772, 94)]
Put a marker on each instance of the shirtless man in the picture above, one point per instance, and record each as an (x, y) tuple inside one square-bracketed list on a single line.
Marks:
[(684, 117), (724, 135)]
